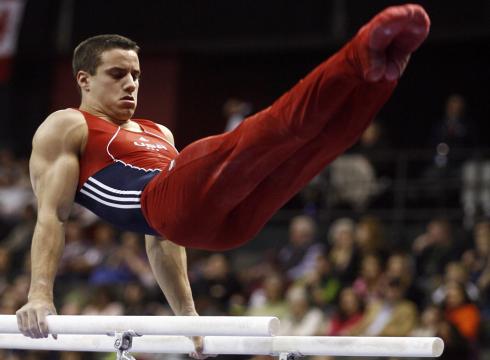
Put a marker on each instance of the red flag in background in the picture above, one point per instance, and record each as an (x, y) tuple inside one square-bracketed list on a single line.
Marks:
[(10, 17)]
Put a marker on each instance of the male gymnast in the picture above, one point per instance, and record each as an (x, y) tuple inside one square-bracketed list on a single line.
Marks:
[(219, 191)]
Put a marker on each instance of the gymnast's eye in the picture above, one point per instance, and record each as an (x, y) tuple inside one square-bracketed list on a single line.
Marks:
[(116, 73), (136, 75)]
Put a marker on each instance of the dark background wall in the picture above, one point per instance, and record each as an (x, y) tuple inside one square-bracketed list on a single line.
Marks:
[(197, 54)]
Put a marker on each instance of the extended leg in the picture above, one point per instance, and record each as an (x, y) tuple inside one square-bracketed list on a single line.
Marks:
[(224, 188)]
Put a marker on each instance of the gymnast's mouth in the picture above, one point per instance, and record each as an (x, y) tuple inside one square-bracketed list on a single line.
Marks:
[(128, 102)]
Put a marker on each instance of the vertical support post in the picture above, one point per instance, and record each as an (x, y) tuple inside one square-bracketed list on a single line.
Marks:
[(289, 356), (123, 343)]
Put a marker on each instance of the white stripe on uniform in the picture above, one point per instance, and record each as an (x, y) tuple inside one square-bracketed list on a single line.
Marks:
[(114, 205)]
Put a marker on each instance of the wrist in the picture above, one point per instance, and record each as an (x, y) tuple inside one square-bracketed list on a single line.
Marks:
[(40, 294), (188, 311)]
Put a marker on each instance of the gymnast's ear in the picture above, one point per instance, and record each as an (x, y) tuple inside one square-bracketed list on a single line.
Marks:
[(83, 80)]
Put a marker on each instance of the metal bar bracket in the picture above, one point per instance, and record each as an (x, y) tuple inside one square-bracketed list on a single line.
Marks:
[(289, 356), (122, 343)]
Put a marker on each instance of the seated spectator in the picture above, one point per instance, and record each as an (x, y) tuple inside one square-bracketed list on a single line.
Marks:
[(74, 266), (374, 144), (322, 284), (19, 287), (455, 129), (348, 314), (393, 315), (103, 302), (18, 240), (433, 250), (343, 252), (268, 300), (369, 236), (430, 320), (100, 254), (368, 283), (9, 169), (131, 259), (476, 258), (477, 261), (104, 263), (71, 355), (15, 187), (351, 181), (400, 265), (312, 195), (455, 272), (460, 311), (250, 268), (9, 303), (235, 111), (301, 320), (31, 355), (456, 346), (297, 257), (73, 302), (135, 300), (355, 179), (475, 190), (218, 283), (484, 288), (4, 269)]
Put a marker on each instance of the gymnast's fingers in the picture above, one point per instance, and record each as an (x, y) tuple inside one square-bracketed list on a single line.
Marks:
[(42, 323), (22, 321), (33, 325), (199, 348)]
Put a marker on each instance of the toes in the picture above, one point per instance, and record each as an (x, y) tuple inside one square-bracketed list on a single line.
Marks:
[(392, 71), (409, 21), (420, 19), (387, 41), (385, 26), (391, 37), (376, 68)]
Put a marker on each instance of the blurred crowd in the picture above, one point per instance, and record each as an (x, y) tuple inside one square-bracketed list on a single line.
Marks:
[(347, 277)]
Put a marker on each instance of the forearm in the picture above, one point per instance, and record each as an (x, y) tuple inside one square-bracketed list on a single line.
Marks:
[(169, 265), (47, 247)]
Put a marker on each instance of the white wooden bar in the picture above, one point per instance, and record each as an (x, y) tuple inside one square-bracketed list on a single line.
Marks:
[(304, 345), (153, 325)]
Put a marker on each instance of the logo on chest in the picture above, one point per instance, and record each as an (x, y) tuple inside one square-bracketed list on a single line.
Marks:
[(147, 144)]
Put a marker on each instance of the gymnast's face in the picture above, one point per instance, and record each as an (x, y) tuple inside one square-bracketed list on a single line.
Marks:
[(113, 90)]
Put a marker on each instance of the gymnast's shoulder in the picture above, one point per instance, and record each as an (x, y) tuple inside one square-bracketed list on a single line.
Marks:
[(167, 133), (67, 125)]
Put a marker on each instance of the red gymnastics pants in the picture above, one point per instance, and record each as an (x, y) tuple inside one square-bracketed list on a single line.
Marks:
[(223, 189)]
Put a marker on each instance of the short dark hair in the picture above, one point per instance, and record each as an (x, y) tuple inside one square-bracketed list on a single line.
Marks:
[(87, 55)]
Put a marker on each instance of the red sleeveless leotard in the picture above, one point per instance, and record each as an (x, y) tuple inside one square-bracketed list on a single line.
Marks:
[(115, 167)]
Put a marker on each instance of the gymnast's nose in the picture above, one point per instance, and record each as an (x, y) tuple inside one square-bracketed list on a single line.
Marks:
[(130, 84)]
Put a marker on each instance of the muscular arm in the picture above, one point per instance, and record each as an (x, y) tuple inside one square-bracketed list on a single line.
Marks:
[(54, 172), (169, 264)]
